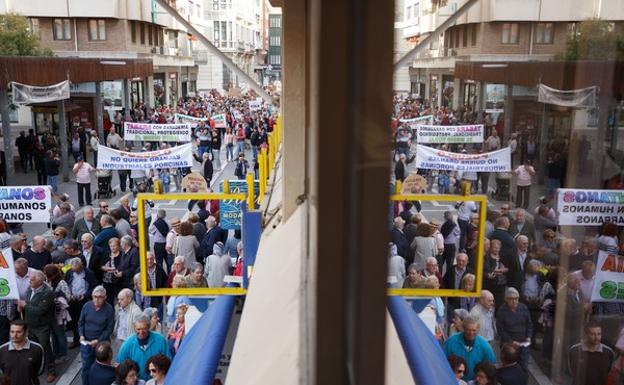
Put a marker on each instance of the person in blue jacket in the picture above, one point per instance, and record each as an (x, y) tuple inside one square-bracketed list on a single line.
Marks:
[(470, 346), (143, 345)]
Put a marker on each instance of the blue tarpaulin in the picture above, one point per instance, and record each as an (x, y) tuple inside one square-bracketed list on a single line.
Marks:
[(198, 358), (424, 355)]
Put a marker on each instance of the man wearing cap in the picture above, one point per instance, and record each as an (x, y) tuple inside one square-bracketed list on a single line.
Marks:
[(83, 172)]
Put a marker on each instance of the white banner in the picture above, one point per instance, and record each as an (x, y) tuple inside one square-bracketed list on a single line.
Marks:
[(8, 281), (181, 118), (175, 157), (157, 132), (495, 161), (580, 207), (23, 93), (581, 98), (219, 121), (25, 204), (609, 279), (420, 119), (450, 134), (255, 105)]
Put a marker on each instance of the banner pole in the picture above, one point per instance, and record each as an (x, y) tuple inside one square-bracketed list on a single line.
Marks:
[(251, 199)]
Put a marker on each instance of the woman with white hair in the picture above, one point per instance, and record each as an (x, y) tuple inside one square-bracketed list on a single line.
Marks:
[(152, 314)]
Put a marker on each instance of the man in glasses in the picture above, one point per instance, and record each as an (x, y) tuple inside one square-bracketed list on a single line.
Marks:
[(103, 206), (95, 324)]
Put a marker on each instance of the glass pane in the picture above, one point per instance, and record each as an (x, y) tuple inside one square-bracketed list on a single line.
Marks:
[(102, 30), (67, 29)]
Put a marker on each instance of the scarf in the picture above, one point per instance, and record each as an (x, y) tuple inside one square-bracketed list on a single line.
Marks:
[(447, 228), (161, 226)]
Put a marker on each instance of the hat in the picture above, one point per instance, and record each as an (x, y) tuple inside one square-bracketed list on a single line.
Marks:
[(434, 222), (79, 158)]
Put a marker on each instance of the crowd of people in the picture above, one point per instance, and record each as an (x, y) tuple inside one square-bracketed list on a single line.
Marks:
[(530, 269), (84, 281)]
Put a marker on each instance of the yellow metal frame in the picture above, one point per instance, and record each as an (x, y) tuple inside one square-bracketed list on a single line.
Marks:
[(200, 291), (482, 200)]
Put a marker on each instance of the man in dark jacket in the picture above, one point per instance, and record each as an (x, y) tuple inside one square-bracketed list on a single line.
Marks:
[(157, 279), (39, 314), (510, 373), (213, 235), (37, 256), (95, 256), (129, 260), (102, 371), (513, 323), (23, 147), (398, 238), (242, 167)]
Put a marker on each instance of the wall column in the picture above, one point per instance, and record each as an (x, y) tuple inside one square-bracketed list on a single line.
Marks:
[(6, 133), (99, 118), (64, 140), (127, 103), (508, 113)]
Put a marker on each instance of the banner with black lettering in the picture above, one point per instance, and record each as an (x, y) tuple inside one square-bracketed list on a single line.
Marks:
[(450, 134), (25, 204), (582, 207), (23, 93), (148, 132), (181, 118), (609, 279), (175, 157), (433, 159)]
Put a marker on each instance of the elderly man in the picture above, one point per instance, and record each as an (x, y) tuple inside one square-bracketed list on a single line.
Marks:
[(170, 241), (501, 232), (95, 324), (483, 313), (102, 371), (431, 268), (86, 225), (22, 276), (178, 268), (104, 207), (21, 359), (129, 263), (521, 226), (513, 322), (94, 256), (471, 347), (196, 278), (453, 277), (400, 240), (18, 246), (71, 249), (37, 255), (38, 311), (143, 345), (590, 360), (213, 235), (158, 231), (66, 217), (517, 261), (81, 282), (156, 277), (126, 312), (121, 224), (107, 232)]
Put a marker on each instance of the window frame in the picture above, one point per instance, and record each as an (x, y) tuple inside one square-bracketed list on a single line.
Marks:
[(540, 29), (510, 34), (64, 27), (97, 30)]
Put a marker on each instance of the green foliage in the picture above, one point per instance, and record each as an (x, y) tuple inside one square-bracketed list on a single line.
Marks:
[(17, 40), (594, 39)]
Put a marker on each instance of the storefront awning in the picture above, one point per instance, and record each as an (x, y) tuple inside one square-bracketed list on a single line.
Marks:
[(43, 71), (559, 75)]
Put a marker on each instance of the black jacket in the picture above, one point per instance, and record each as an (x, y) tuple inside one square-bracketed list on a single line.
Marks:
[(128, 265)]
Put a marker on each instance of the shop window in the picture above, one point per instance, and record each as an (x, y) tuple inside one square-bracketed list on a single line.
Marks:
[(62, 29), (510, 33), (544, 33), (97, 29)]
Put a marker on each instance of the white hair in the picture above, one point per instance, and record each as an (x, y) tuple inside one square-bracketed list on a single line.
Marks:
[(99, 290)]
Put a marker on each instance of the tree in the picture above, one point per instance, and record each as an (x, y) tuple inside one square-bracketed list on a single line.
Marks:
[(16, 39), (594, 39)]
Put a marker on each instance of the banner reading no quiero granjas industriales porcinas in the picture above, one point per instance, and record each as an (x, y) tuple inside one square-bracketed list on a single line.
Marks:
[(175, 157), (579, 207)]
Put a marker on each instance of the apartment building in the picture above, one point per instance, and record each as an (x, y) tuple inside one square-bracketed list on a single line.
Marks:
[(274, 59), (114, 31), (235, 27)]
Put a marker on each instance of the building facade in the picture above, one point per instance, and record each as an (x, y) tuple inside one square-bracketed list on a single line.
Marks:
[(274, 59), (114, 31), (235, 27)]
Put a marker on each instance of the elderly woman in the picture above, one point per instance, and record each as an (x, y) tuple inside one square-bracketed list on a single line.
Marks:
[(142, 301), (111, 277), (414, 279), (152, 314), (54, 277), (175, 301), (424, 245), (186, 244), (60, 236), (196, 278), (457, 325), (177, 331)]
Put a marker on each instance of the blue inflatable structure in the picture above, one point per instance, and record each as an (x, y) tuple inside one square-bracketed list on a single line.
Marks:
[(425, 357)]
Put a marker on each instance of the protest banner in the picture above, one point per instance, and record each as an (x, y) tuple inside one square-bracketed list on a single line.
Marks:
[(450, 134), (25, 204), (24, 93), (230, 211), (175, 157), (415, 122), (582, 207), (181, 118), (148, 132), (8, 281), (255, 105), (194, 182), (414, 184), (219, 121), (495, 161), (609, 278)]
